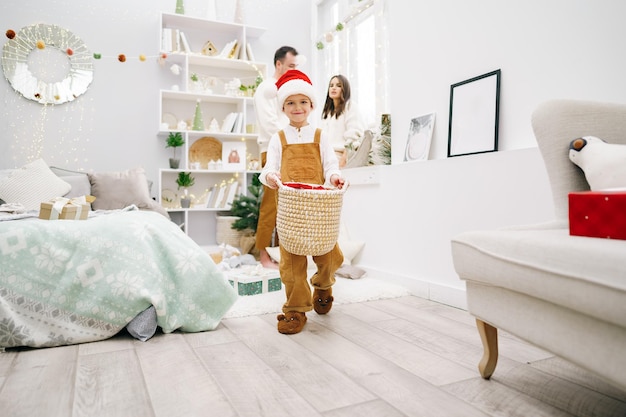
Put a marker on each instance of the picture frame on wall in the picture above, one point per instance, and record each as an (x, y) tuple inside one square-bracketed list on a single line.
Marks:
[(474, 115), (419, 138), (234, 156)]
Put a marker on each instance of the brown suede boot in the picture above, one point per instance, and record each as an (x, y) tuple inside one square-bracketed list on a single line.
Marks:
[(323, 300), (291, 322)]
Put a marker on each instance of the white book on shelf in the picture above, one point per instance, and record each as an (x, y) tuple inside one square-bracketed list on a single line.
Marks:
[(233, 189), (227, 49), (220, 195), (175, 40), (166, 40), (249, 53), (238, 125), (229, 122), (184, 43), (210, 197)]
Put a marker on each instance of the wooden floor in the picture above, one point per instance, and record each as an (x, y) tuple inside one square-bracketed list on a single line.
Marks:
[(399, 357)]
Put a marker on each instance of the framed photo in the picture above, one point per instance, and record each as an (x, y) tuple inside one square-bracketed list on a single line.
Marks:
[(234, 156), (420, 138), (474, 111)]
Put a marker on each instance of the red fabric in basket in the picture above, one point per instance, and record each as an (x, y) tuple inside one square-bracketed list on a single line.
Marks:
[(304, 186)]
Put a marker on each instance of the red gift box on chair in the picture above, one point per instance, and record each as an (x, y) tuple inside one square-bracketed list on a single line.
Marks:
[(598, 214)]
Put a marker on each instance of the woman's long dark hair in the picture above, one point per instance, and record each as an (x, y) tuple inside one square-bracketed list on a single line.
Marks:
[(329, 105)]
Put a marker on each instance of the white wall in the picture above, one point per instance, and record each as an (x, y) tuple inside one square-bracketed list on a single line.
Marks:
[(113, 126), (545, 49)]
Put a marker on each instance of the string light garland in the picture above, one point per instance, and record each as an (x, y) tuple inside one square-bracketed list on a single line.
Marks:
[(328, 37), (41, 45)]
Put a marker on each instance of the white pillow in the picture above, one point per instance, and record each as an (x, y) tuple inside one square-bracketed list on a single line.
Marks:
[(274, 253), (350, 248), (31, 185)]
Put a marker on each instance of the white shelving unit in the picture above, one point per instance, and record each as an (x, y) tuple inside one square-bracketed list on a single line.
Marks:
[(178, 99)]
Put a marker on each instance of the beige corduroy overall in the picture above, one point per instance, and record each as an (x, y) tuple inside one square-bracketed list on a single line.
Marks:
[(302, 162)]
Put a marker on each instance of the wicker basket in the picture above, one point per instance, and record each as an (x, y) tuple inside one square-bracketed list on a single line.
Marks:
[(308, 220), (226, 234)]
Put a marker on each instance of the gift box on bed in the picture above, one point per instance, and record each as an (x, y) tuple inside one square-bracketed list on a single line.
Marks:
[(598, 214), (66, 209), (254, 280)]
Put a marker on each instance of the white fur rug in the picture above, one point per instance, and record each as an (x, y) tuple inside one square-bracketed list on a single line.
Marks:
[(345, 291)]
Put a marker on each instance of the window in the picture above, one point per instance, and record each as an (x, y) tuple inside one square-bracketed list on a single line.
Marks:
[(352, 39)]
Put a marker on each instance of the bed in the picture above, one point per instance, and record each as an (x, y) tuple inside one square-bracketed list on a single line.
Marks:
[(74, 281)]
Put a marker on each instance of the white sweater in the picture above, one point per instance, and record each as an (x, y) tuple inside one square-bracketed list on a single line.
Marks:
[(348, 126), (269, 117)]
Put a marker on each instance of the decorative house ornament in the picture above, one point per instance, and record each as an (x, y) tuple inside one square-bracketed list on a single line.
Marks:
[(209, 49), (40, 48)]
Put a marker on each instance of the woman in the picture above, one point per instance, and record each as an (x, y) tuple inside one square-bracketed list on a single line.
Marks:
[(341, 119)]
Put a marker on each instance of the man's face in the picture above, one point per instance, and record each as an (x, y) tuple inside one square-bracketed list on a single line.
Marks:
[(289, 63)]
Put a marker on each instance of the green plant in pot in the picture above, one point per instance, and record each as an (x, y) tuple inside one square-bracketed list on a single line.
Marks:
[(184, 181), (175, 140), (246, 207)]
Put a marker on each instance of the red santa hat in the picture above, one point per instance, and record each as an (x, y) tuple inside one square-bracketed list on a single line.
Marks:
[(294, 82)]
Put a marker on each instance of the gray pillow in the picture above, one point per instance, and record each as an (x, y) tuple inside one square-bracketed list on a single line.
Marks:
[(80, 185), (144, 325), (119, 189)]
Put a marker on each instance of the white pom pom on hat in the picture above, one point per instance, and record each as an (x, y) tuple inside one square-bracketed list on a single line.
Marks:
[(291, 83)]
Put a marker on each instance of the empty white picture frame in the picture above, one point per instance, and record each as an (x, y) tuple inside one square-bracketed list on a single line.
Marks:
[(474, 111)]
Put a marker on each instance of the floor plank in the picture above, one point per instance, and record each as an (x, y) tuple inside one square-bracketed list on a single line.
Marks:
[(496, 399), (509, 347), (560, 393), (573, 373), (309, 374), (37, 381), (253, 388), (420, 362), (111, 384), (176, 380), (388, 381)]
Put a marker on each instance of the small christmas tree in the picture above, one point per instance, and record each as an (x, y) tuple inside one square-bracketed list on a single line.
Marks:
[(180, 7), (198, 123), (246, 207)]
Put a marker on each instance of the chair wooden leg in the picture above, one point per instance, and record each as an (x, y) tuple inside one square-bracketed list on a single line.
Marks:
[(489, 337)]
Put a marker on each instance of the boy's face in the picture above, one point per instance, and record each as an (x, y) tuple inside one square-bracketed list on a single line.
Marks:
[(297, 108)]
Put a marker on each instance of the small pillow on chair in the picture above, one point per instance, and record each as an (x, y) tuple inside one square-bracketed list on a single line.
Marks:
[(604, 164)]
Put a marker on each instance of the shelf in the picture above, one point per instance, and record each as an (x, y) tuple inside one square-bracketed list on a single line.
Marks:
[(209, 98), (179, 21), (218, 62), (177, 102)]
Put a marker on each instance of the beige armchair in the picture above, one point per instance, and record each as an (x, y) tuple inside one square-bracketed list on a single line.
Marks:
[(565, 294)]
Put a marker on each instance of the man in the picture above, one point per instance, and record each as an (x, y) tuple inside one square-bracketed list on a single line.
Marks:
[(270, 119)]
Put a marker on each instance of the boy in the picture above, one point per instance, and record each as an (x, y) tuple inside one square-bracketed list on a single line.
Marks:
[(302, 153)]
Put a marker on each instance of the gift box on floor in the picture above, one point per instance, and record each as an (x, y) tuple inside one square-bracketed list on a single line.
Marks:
[(598, 214), (65, 209), (254, 280)]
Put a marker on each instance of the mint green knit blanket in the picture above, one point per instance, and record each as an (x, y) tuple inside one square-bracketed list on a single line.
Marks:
[(73, 281)]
